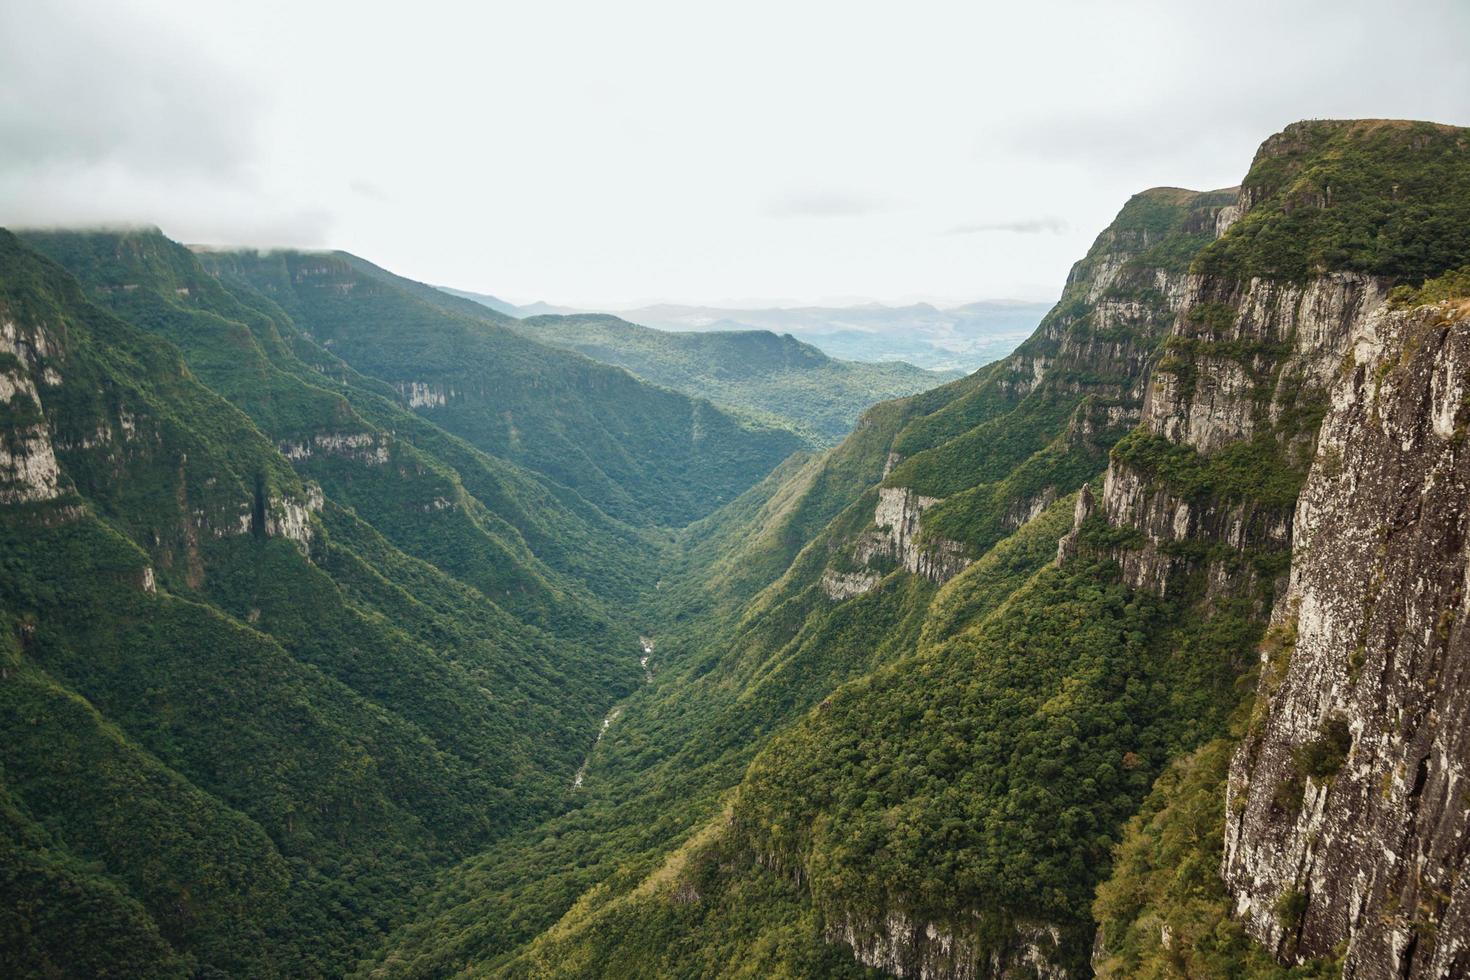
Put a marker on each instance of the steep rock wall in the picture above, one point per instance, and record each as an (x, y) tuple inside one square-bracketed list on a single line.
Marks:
[(28, 469), (897, 516), (1078, 384), (1348, 808), (1241, 387), (62, 429), (902, 947), (894, 539)]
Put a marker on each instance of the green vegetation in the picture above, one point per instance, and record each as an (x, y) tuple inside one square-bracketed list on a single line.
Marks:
[(1324, 755), (640, 453), (1454, 284), (1247, 470), (778, 380), (1165, 912), (752, 650), (1383, 197), (301, 730)]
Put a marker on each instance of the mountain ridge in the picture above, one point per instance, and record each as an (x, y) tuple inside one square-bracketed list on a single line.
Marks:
[(770, 376), (962, 337), (1169, 551)]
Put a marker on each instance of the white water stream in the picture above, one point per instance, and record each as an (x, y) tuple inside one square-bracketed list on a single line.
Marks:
[(645, 661)]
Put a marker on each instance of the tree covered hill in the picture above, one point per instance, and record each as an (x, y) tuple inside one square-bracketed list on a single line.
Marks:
[(954, 338), (777, 379), (640, 453), (278, 646), (802, 589), (238, 716)]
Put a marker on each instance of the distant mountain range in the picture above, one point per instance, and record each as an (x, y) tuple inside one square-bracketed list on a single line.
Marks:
[(767, 378), (961, 337)]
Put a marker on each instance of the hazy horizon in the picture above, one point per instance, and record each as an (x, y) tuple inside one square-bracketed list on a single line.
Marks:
[(602, 157), (738, 304)]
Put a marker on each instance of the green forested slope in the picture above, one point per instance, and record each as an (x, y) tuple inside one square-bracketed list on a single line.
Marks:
[(640, 453), (750, 640), (964, 798), (776, 378), (481, 518), (298, 687)]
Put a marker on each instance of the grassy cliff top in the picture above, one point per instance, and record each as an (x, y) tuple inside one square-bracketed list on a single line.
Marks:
[(1389, 198)]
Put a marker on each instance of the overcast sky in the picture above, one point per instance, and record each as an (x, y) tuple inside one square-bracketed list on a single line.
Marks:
[(603, 154)]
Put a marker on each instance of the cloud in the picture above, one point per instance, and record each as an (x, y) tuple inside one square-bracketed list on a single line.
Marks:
[(109, 116), (907, 164), (827, 204), (1025, 226), (368, 189), (78, 89)]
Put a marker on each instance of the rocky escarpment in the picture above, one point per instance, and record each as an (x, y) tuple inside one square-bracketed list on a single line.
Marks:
[(894, 540), (1074, 388), (1330, 214), (28, 468), (1348, 807), (63, 432), (1229, 423), (424, 394), (1298, 424), (1118, 300), (848, 585), (897, 517), (371, 448), (903, 947)]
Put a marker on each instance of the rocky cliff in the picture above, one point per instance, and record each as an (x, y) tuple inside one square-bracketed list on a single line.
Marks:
[(28, 470), (86, 422), (1297, 462), (1210, 478), (1039, 424), (1348, 804)]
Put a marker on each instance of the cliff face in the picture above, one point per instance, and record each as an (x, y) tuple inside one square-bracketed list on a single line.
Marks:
[(1329, 215), (903, 947), (86, 421), (28, 470), (1048, 413), (1298, 458), (1347, 804), (1242, 383), (897, 517)]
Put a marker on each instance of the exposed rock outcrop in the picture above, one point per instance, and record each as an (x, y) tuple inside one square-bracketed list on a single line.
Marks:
[(290, 518), (1348, 807), (28, 469), (846, 585), (897, 516), (1243, 362), (895, 540), (904, 947), (424, 394), (365, 447)]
